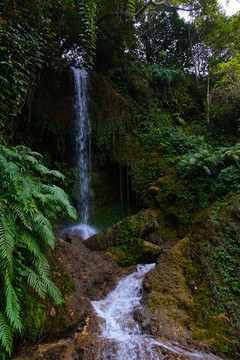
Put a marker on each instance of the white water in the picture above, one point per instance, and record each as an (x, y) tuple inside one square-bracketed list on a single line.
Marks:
[(83, 130), (125, 339)]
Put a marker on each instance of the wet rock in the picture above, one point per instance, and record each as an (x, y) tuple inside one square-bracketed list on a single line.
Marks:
[(167, 302), (73, 238), (149, 253), (136, 226)]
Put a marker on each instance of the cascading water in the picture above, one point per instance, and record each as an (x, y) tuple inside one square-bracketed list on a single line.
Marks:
[(125, 340), (83, 130)]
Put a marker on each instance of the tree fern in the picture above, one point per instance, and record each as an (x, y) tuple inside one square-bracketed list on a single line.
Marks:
[(26, 205)]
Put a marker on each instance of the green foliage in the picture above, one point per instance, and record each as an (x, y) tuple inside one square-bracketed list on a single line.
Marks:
[(110, 215), (171, 49), (228, 84), (27, 204), (35, 34), (173, 141), (217, 167), (215, 272)]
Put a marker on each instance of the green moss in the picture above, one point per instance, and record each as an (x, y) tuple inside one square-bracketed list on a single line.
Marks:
[(217, 334), (34, 317), (208, 259), (117, 254), (153, 302), (62, 279)]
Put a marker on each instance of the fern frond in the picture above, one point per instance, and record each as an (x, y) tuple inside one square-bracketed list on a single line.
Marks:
[(38, 259), (6, 337), (6, 239), (25, 150), (53, 290), (8, 167), (57, 174), (61, 198), (39, 196), (30, 159), (22, 215), (12, 305), (25, 230), (43, 170), (43, 267), (36, 283), (42, 227)]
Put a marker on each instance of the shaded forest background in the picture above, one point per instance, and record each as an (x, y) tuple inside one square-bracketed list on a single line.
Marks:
[(164, 105)]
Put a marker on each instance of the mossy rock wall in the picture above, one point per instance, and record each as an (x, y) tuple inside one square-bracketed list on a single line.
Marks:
[(192, 296)]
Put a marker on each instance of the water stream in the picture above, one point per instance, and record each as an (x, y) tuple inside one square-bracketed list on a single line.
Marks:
[(125, 341), (83, 130)]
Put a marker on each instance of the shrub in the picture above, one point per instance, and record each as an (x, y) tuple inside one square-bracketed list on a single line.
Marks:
[(27, 203)]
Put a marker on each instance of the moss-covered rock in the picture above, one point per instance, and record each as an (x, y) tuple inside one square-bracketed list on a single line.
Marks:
[(122, 233), (139, 252), (169, 302), (192, 295)]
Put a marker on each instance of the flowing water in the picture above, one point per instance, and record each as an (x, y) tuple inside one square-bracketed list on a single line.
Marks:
[(83, 130), (125, 340)]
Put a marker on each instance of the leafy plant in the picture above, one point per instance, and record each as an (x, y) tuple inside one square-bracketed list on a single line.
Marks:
[(26, 236)]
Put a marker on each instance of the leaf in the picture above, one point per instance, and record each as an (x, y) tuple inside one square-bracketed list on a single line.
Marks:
[(5, 334)]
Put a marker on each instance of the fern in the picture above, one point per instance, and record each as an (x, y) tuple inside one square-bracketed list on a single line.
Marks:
[(6, 239), (35, 281), (6, 337), (216, 167), (12, 304), (26, 205)]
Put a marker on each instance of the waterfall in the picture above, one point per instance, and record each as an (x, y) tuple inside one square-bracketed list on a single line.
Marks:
[(83, 130), (82, 153), (121, 337)]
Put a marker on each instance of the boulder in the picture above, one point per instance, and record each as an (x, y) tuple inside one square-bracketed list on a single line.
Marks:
[(122, 233)]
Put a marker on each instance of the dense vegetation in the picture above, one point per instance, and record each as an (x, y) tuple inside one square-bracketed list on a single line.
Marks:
[(171, 129)]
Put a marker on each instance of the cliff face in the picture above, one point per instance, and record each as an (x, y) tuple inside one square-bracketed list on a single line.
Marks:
[(46, 123)]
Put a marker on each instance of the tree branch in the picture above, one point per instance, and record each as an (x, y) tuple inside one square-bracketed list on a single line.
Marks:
[(164, 2), (150, 2), (143, 8)]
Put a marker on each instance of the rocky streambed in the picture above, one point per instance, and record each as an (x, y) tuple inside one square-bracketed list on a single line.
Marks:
[(166, 305)]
